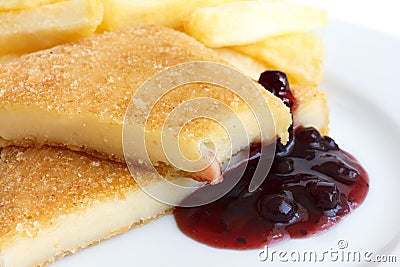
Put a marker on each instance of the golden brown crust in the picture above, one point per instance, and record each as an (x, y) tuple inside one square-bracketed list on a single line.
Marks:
[(100, 74), (85, 75), (33, 143), (39, 185), (95, 78), (162, 169)]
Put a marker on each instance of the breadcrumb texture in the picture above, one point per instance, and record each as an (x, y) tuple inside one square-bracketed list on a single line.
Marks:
[(37, 186), (97, 77)]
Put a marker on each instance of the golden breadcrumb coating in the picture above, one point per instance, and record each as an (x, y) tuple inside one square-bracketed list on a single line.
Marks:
[(37, 186), (94, 79)]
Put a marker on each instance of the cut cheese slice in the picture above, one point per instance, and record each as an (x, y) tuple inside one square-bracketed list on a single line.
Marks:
[(56, 202), (76, 95)]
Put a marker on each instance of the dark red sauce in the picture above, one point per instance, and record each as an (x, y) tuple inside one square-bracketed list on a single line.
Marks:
[(311, 185), (277, 83)]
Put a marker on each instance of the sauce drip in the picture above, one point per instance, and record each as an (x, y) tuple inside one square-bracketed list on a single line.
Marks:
[(277, 83)]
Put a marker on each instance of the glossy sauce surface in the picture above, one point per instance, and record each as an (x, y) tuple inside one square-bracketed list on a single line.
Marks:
[(277, 83), (311, 185)]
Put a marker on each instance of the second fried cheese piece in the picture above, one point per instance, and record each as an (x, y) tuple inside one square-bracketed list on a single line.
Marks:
[(76, 95), (55, 202)]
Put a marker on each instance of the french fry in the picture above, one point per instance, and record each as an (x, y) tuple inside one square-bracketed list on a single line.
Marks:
[(246, 64), (170, 13), (45, 26), (299, 55), (242, 23), (7, 5)]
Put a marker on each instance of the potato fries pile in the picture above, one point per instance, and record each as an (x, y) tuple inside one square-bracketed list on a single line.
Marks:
[(251, 35)]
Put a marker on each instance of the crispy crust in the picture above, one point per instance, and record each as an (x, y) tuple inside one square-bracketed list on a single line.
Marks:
[(39, 185), (97, 77)]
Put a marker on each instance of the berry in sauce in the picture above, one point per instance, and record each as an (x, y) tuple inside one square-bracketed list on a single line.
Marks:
[(277, 83), (309, 188), (311, 185)]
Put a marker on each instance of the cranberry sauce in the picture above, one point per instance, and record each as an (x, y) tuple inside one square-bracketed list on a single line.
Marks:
[(277, 83), (312, 184)]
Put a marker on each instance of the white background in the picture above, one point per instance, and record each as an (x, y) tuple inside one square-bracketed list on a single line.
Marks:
[(381, 15), (378, 15)]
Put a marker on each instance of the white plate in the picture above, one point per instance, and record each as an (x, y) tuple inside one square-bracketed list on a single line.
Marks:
[(360, 78)]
